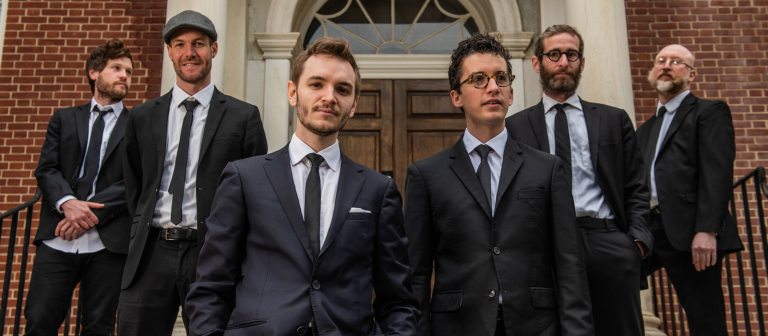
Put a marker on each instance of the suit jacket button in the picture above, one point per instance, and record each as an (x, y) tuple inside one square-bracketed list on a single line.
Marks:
[(315, 284), (496, 250), (301, 330), (492, 294)]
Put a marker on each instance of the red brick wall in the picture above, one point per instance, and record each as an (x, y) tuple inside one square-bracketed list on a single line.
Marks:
[(730, 41), (44, 52)]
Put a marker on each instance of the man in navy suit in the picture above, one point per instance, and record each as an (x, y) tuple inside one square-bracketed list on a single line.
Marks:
[(298, 240), (83, 232), (176, 147), (597, 142)]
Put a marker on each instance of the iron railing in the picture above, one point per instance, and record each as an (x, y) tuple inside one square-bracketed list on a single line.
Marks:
[(745, 313)]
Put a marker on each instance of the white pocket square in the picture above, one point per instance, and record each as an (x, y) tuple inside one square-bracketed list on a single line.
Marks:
[(358, 210)]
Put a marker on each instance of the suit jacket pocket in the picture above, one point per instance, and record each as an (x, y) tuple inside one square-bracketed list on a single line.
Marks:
[(245, 323), (531, 193), (543, 298), (447, 301), (359, 216)]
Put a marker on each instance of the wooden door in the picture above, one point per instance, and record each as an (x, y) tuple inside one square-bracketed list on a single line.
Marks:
[(401, 121)]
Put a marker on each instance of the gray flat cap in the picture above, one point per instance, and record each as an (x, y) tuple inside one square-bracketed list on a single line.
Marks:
[(189, 19)]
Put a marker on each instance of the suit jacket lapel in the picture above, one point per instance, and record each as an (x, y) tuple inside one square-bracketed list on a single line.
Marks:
[(278, 171), (350, 183), (117, 134), (81, 119), (539, 126), (512, 160), (160, 131), (592, 118), (215, 113), (462, 167), (685, 107)]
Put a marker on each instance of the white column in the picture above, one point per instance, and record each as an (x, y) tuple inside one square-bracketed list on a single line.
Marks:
[(276, 112), (516, 43), (603, 25), (217, 12)]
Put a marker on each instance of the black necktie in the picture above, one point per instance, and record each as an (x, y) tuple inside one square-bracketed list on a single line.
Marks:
[(650, 150), (92, 157), (562, 136), (312, 202), (484, 172), (179, 177)]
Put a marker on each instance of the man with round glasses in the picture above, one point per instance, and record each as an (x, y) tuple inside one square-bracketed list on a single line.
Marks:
[(495, 218), (597, 143)]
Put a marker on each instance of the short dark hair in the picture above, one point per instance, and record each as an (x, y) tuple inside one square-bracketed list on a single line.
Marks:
[(478, 43), (112, 49), (329, 46), (552, 31)]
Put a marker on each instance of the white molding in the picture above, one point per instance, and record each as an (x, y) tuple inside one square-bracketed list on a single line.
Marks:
[(403, 66), (276, 45)]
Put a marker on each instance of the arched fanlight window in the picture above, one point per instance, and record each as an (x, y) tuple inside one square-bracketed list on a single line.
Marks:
[(394, 26)]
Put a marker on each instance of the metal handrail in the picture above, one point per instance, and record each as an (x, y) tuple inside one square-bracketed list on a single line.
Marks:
[(23, 206)]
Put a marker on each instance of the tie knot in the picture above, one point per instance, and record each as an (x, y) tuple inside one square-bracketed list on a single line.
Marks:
[(316, 159), (662, 111), (190, 104), (102, 112), (560, 107), (483, 150)]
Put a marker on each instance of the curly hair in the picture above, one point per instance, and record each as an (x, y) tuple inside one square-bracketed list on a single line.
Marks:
[(478, 43), (112, 49)]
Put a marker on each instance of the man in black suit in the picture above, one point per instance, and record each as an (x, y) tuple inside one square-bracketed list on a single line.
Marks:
[(689, 148), (598, 144), (83, 232), (496, 218), (177, 145), (299, 239)]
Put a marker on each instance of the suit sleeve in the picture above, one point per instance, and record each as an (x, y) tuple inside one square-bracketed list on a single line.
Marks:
[(717, 150), (636, 193), (395, 306), (574, 305), (418, 227), (49, 176), (255, 140), (211, 297), (113, 196), (132, 173)]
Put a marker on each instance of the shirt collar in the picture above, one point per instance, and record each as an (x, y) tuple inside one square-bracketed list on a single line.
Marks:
[(673, 104), (298, 150), (497, 143), (549, 103), (117, 108), (203, 96)]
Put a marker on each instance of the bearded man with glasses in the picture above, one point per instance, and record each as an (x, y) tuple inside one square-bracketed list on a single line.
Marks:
[(495, 218), (605, 166)]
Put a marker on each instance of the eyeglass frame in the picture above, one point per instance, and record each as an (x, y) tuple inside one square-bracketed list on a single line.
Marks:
[(488, 79), (659, 61), (579, 55)]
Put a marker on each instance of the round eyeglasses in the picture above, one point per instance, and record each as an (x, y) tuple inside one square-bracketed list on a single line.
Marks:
[(673, 61), (571, 55), (480, 80)]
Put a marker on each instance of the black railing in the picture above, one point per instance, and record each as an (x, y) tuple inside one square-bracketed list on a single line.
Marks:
[(11, 256), (745, 314)]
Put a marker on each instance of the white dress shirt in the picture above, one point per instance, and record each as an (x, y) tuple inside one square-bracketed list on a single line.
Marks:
[(497, 143), (162, 214), (90, 241), (329, 178), (672, 105), (587, 195)]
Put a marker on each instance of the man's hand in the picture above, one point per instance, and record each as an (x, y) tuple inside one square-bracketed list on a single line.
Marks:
[(67, 230), (79, 213), (704, 250)]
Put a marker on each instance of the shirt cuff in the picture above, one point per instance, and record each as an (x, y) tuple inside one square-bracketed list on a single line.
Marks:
[(62, 200)]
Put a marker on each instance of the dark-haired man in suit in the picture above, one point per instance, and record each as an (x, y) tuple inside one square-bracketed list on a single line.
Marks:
[(83, 232), (597, 143), (299, 239), (689, 146), (177, 145), (495, 217)]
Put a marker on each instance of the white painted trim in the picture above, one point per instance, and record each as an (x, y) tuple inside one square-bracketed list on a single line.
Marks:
[(3, 16)]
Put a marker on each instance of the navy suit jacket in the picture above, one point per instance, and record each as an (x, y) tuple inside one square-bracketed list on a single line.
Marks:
[(232, 131), (256, 272), (58, 169)]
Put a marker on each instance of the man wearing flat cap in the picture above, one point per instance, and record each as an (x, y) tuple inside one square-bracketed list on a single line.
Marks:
[(176, 147)]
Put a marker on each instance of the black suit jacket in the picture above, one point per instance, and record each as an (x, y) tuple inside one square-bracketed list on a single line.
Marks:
[(257, 274), (232, 131), (616, 157), (694, 173), (529, 251), (58, 169)]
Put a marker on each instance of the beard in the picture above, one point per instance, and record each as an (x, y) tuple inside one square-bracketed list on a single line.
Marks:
[(111, 90), (551, 83), (318, 127), (193, 78), (666, 86)]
